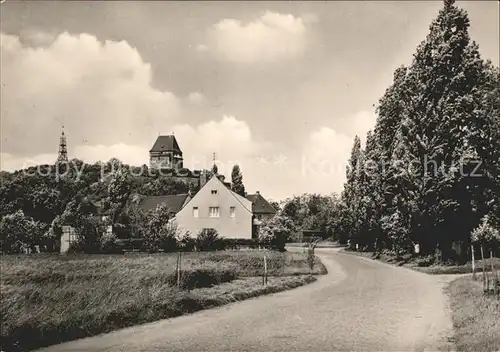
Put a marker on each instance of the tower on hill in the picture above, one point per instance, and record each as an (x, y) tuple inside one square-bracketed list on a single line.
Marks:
[(166, 153), (62, 157)]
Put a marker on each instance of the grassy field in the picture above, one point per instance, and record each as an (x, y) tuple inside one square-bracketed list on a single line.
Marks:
[(45, 299), (433, 269), (476, 317)]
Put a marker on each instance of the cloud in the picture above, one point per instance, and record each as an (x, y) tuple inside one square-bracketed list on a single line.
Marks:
[(327, 151), (324, 160), (9, 162), (196, 98), (100, 91), (129, 154), (201, 47), (230, 139), (359, 124), (272, 37)]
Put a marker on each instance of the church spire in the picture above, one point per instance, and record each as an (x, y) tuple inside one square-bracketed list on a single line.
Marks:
[(63, 151)]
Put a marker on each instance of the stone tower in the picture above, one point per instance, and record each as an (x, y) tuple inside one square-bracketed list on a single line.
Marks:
[(166, 154)]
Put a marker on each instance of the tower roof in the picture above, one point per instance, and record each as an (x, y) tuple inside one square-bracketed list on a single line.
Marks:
[(166, 144)]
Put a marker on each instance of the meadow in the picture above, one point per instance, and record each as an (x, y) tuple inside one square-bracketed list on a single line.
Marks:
[(47, 299), (476, 316)]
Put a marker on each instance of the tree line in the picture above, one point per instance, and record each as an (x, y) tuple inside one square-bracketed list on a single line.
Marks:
[(36, 202), (429, 172)]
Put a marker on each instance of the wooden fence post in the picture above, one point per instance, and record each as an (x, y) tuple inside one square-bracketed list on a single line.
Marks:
[(179, 270), (484, 269), (265, 270), (493, 273), (473, 262)]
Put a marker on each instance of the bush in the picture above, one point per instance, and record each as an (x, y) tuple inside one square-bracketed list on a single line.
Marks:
[(486, 234), (275, 233), (236, 243), (208, 240), (18, 230), (110, 244), (187, 243), (425, 261), (159, 232)]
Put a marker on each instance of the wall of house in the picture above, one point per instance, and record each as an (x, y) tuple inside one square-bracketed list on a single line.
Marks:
[(239, 226), (68, 236)]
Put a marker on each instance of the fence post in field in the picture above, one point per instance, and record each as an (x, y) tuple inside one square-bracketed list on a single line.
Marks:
[(493, 273), (484, 269), (179, 269), (473, 262), (265, 270)]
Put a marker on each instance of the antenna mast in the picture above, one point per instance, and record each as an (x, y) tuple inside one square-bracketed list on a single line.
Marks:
[(63, 150)]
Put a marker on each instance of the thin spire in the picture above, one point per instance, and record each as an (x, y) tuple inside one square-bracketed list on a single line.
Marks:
[(215, 169), (62, 157)]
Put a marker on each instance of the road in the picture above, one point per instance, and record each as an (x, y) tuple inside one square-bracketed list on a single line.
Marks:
[(360, 305)]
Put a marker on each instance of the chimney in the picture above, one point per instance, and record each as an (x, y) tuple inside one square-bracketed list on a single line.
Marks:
[(257, 193)]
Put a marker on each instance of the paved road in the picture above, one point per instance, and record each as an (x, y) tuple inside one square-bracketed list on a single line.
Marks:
[(360, 305)]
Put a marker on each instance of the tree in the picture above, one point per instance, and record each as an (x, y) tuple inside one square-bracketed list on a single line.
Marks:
[(351, 196), (436, 123), (18, 231), (486, 234), (237, 181), (276, 231), (158, 231)]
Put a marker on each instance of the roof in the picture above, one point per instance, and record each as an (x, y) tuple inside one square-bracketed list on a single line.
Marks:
[(260, 205), (174, 202), (240, 199), (166, 144)]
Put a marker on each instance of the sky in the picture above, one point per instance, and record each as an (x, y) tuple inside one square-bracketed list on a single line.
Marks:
[(280, 88)]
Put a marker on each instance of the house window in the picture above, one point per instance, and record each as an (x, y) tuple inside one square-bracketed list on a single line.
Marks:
[(232, 211), (214, 191), (195, 212), (213, 212)]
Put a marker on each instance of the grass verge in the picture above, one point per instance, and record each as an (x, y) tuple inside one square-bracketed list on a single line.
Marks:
[(50, 299), (419, 264), (476, 317), (160, 303)]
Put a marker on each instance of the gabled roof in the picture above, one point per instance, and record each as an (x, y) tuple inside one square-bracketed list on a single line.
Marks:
[(173, 202), (260, 205), (166, 144), (240, 199)]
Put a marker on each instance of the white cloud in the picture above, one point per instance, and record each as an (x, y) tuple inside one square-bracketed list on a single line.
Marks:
[(360, 124), (100, 91), (201, 47), (9, 162), (129, 154), (196, 98), (324, 160), (272, 37), (229, 138)]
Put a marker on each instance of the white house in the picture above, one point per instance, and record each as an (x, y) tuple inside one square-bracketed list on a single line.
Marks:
[(215, 206)]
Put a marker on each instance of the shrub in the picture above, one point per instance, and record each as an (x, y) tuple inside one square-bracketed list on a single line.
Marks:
[(485, 233), (18, 230), (236, 243), (110, 244), (159, 232), (275, 233), (208, 240), (425, 261), (89, 231), (186, 243)]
